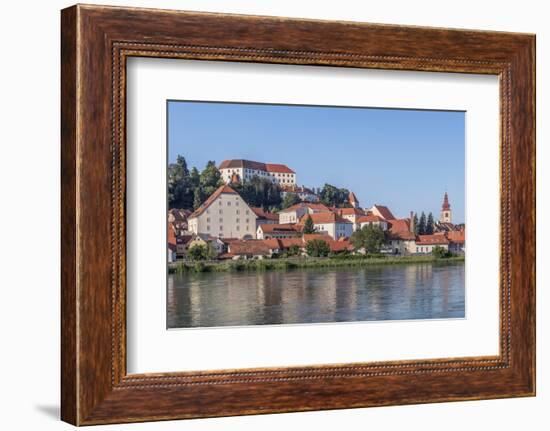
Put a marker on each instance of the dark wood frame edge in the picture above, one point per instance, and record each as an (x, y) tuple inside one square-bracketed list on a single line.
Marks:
[(95, 43)]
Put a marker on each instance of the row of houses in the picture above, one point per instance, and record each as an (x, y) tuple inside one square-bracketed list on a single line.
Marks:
[(226, 218), (400, 242), (235, 248)]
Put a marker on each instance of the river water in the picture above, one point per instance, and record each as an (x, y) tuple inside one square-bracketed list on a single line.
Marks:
[(390, 292)]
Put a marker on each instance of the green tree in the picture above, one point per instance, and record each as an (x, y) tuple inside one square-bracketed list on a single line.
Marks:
[(317, 248), (180, 191), (210, 178), (290, 199), (415, 221), (333, 196), (197, 198), (293, 250), (260, 192), (308, 225), (369, 237), (422, 224), (201, 252), (440, 252), (430, 224), (194, 178)]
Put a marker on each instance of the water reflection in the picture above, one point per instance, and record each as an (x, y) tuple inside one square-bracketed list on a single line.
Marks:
[(424, 291)]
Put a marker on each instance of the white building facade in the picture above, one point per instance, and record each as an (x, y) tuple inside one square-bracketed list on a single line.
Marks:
[(224, 215), (373, 220), (245, 170), (294, 213), (331, 224)]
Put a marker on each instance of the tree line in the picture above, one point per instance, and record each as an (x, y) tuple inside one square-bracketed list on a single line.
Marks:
[(424, 225), (187, 189)]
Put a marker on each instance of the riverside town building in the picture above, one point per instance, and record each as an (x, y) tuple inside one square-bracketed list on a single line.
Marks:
[(224, 218)]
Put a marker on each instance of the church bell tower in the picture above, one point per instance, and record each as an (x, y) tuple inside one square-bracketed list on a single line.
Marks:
[(446, 214)]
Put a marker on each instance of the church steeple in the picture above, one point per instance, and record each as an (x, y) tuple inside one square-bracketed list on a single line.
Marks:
[(446, 214)]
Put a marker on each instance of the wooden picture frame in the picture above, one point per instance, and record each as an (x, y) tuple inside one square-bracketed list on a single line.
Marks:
[(95, 43)]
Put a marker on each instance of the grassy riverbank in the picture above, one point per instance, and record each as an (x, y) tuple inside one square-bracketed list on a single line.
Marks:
[(302, 262)]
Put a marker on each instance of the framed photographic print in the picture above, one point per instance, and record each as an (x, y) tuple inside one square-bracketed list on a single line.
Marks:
[(268, 215)]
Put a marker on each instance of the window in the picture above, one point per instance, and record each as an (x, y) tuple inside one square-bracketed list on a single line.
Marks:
[(207, 227), (207, 219), (238, 227), (220, 211), (221, 228), (228, 203), (246, 220), (220, 202), (221, 220), (237, 212), (207, 211), (238, 220)]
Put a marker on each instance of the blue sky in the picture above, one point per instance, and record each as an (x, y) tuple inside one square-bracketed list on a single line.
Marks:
[(405, 159)]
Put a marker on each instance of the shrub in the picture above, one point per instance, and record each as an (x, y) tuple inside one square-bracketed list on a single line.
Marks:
[(201, 252), (317, 248), (294, 250), (369, 237), (440, 253)]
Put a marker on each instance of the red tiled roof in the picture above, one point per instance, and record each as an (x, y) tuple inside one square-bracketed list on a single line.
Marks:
[(289, 242), (288, 227), (253, 246), (446, 205), (235, 178), (336, 246), (274, 167), (220, 190), (349, 211), (171, 235), (311, 236), (352, 198), (272, 243), (399, 225), (434, 239), (264, 214), (241, 163), (457, 236), (324, 217), (385, 212), (400, 229), (258, 166), (370, 219), (228, 240)]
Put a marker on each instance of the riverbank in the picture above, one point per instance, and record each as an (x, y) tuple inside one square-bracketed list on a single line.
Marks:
[(301, 262)]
